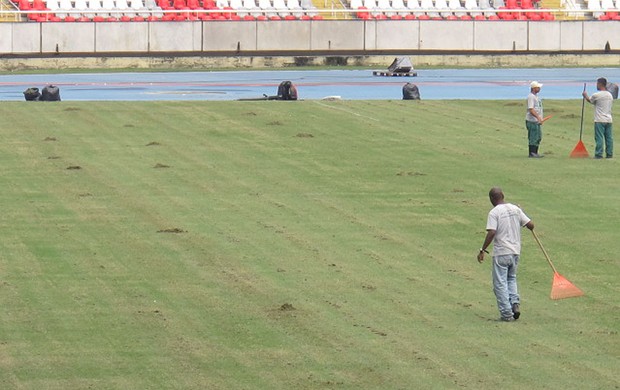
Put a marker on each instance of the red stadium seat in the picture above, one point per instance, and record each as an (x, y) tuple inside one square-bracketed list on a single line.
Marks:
[(363, 13), (527, 4), (179, 4), (39, 5)]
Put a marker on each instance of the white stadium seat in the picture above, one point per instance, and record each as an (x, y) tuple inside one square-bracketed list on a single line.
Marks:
[(385, 7), (65, 5), (155, 9), (442, 4), (97, 9), (486, 7), (414, 7), (429, 6), (251, 6), (456, 7), (399, 6), (138, 8), (266, 7), (607, 4), (280, 6), (108, 7), (594, 6), (80, 6), (123, 7), (472, 7), (294, 6)]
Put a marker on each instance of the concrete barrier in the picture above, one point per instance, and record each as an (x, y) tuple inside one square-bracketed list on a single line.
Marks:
[(286, 36), (501, 36), (453, 35), (175, 36), (393, 35), (337, 35), (229, 36), (597, 35), (121, 37), (20, 38), (571, 36), (325, 36), (544, 36), (59, 38)]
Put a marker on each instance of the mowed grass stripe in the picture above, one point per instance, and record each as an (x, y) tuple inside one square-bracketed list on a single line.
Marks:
[(317, 244)]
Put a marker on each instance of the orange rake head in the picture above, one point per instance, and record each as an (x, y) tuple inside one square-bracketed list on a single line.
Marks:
[(562, 288), (579, 151)]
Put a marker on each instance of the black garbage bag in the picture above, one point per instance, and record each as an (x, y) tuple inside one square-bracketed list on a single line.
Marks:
[(287, 91), (32, 94), (50, 93), (411, 92), (613, 89)]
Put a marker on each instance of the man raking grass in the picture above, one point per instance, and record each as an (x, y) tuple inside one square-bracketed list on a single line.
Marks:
[(504, 224)]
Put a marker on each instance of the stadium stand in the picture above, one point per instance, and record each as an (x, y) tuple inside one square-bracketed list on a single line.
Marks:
[(449, 10), (263, 10)]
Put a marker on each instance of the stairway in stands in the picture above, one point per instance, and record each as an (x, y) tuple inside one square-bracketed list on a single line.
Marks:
[(5, 5), (561, 4), (332, 4)]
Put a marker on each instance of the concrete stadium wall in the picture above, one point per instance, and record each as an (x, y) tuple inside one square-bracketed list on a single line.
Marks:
[(307, 36)]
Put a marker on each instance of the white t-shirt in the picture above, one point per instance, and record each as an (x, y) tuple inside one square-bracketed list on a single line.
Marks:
[(506, 219), (602, 101), (533, 101)]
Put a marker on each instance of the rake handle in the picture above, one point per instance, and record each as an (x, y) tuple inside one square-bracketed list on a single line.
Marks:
[(544, 251), (583, 104)]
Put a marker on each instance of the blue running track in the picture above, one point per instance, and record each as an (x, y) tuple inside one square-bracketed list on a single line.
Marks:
[(486, 84)]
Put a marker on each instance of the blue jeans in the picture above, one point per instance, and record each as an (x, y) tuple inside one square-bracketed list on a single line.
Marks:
[(603, 133), (505, 283)]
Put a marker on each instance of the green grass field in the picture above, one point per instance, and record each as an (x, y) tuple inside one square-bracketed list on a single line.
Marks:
[(308, 245)]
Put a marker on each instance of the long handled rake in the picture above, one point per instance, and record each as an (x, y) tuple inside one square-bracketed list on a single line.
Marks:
[(561, 287), (580, 150)]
